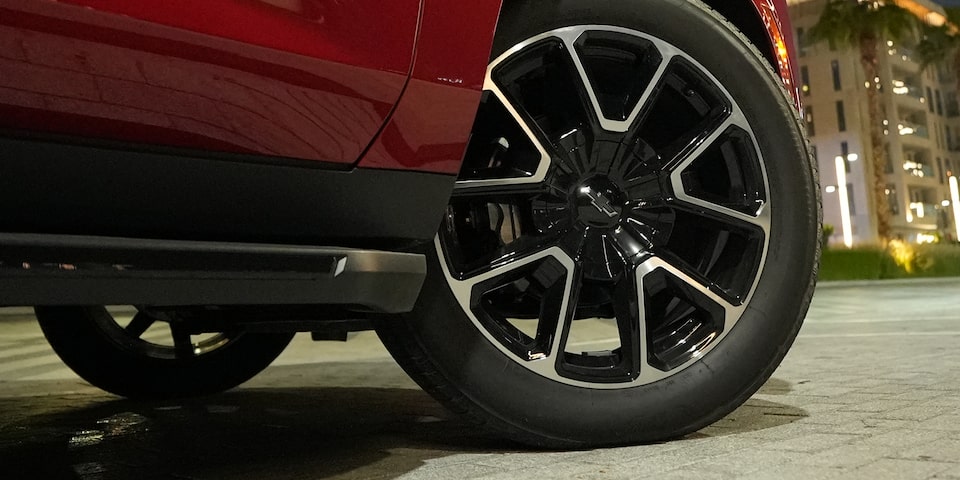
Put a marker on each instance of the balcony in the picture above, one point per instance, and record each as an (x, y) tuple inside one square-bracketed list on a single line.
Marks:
[(923, 213), (918, 169), (905, 90), (907, 129)]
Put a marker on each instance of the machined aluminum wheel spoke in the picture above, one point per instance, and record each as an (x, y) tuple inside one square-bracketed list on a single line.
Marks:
[(630, 311), (761, 218), (499, 188), (731, 312), (570, 36), (464, 291), (510, 257), (498, 183)]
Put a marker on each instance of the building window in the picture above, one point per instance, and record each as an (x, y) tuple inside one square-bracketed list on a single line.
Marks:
[(841, 118), (801, 42), (835, 71), (943, 180), (939, 103), (853, 205), (805, 80), (892, 200), (844, 152), (930, 99), (808, 117)]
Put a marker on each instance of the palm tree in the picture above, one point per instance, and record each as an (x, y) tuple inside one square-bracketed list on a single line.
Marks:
[(863, 24), (941, 43)]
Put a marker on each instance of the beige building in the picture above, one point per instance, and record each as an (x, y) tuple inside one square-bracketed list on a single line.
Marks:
[(922, 131)]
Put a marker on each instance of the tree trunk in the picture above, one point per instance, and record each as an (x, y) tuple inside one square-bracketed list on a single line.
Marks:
[(876, 115), (956, 69)]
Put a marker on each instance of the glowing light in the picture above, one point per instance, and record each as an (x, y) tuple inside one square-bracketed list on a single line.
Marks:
[(831, 189), (926, 238), (955, 199), (889, 43), (903, 254), (918, 206), (945, 203), (853, 157), (845, 223)]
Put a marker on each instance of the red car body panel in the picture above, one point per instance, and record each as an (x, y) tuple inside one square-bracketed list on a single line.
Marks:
[(312, 80), (432, 123), (313, 83)]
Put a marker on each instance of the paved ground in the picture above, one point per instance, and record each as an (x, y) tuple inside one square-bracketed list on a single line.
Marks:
[(871, 390)]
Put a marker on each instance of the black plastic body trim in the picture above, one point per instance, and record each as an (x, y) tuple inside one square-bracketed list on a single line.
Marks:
[(64, 189), (82, 270)]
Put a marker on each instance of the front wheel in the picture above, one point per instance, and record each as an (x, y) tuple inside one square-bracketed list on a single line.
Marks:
[(631, 245)]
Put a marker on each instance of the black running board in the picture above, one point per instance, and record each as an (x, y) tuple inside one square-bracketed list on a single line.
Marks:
[(37, 269)]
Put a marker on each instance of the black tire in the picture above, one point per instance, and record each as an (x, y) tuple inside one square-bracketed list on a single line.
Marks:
[(89, 341), (450, 357)]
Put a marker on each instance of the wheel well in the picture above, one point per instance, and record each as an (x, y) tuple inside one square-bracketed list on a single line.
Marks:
[(743, 15)]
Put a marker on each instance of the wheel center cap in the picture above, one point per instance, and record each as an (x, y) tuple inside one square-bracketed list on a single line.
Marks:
[(597, 204)]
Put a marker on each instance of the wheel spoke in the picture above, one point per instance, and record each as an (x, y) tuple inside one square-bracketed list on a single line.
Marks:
[(499, 188), (543, 165), (699, 206), (667, 52), (558, 323), (722, 214), (514, 255), (182, 342), (629, 308), (140, 323), (696, 282)]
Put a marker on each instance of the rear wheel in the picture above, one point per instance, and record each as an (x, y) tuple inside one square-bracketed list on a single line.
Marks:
[(631, 245), (152, 354)]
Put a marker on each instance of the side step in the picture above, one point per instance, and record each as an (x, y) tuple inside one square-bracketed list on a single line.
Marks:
[(39, 269)]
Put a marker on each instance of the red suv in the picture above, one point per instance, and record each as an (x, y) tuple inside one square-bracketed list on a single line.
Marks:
[(578, 222)]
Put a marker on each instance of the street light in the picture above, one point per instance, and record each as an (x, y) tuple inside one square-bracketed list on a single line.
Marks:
[(844, 202)]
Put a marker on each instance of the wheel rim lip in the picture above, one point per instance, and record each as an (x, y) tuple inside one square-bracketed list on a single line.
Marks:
[(547, 367)]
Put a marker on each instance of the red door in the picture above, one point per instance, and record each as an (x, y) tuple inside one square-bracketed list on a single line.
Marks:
[(307, 79)]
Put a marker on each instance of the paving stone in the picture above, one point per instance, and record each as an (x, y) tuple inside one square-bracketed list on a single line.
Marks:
[(951, 473), (941, 450), (897, 469), (862, 407)]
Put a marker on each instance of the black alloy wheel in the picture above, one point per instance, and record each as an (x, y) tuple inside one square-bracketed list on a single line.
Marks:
[(147, 353), (636, 201)]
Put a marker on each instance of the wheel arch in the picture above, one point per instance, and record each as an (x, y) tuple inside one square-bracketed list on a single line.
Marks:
[(744, 15)]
